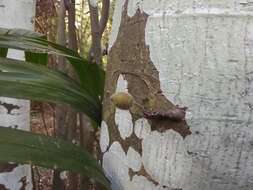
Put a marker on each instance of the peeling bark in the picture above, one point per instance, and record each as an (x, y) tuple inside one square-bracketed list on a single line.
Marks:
[(140, 74), (2, 187), (129, 56), (7, 167), (9, 107), (195, 54), (13, 112)]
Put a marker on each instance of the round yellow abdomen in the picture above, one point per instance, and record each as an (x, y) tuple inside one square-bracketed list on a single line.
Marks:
[(122, 100)]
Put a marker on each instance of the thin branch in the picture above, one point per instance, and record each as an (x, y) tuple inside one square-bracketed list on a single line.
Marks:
[(94, 20), (43, 119), (95, 50), (104, 16), (40, 26), (53, 4)]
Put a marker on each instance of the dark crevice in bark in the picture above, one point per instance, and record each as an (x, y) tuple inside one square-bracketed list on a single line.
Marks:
[(24, 182), (7, 167), (11, 126), (2, 187), (9, 107), (143, 172)]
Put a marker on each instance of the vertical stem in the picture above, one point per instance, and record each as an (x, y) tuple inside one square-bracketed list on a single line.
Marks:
[(60, 110)]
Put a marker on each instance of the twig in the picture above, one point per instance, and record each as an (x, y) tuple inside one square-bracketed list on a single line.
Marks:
[(43, 119)]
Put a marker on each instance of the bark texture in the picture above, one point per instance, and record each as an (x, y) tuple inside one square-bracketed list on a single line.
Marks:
[(60, 110), (188, 53), (66, 117), (16, 113), (98, 25)]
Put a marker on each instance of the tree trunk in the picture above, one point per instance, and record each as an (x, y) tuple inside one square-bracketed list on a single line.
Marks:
[(72, 134), (66, 117), (194, 54), (60, 110), (16, 113), (98, 26)]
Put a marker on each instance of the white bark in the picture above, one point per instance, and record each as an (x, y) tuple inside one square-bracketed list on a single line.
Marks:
[(203, 51), (16, 14)]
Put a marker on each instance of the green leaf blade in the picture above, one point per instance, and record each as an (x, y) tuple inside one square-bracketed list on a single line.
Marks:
[(39, 58), (91, 76), (28, 148), (20, 79), (3, 52)]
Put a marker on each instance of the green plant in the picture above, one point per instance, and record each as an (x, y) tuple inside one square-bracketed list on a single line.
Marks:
[(33, 80)]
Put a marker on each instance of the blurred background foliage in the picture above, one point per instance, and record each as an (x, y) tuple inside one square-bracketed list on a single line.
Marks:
[(46, 22), (47, 118)]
